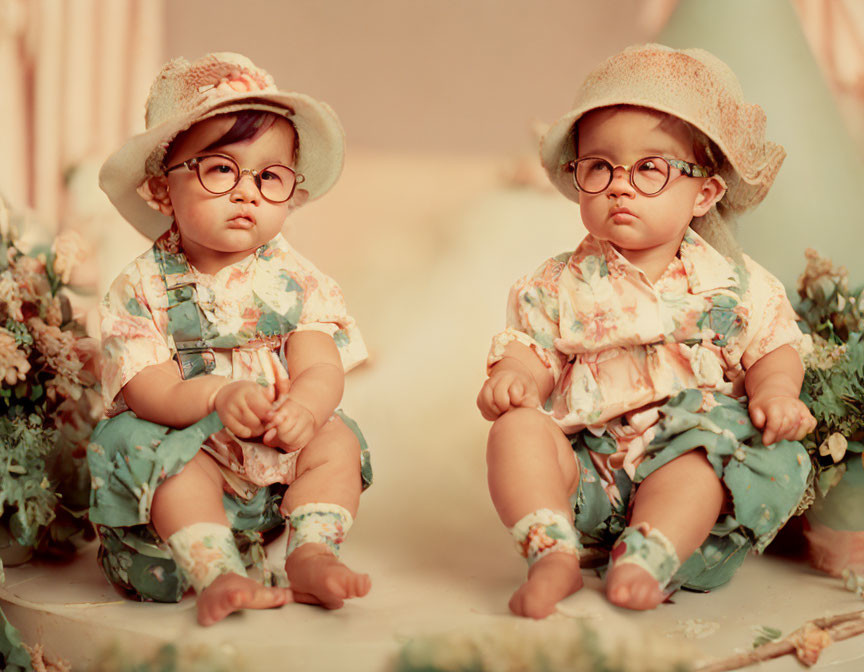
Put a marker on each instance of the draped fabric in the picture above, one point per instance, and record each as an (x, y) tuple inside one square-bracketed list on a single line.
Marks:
[(835, 32), (76, 74)]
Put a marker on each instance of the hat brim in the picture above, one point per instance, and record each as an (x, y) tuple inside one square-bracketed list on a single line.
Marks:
[(558, 149), (320, 157)]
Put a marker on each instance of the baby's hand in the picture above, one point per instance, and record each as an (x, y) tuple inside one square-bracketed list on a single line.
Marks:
[(505, 389), (781, 417), (242, 405), (290, 427)]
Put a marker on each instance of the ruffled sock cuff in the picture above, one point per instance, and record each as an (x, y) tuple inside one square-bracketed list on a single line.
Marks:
[(319, 523), (205, 551), (543, 532)]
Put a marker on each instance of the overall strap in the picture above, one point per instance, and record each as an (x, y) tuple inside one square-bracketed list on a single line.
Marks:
[(187, 325)]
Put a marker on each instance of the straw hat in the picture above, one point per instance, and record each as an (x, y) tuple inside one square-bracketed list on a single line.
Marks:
[(690, 84), (185, 93)]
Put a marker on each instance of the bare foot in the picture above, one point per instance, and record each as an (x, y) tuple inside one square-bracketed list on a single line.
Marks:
[(631, 587), (550, 579), (317, 577), (232, 592)]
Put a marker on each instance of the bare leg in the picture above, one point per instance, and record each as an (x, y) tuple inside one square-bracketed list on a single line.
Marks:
[(531, 467), (665, 500), (195, 496), (328, 471)]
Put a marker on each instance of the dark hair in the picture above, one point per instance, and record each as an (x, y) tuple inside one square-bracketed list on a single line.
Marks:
[(247, 124), (705, 150)]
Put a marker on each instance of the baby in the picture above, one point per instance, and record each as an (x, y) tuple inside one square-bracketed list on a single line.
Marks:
[(645, 392), (225, 353)]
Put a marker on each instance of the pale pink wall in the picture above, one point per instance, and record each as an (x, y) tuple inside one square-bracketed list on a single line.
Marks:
[(420, 74)]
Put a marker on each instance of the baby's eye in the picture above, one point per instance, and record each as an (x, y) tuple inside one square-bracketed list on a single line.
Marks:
[(269, 175), (648, 166), (598, 166), (220, 168)]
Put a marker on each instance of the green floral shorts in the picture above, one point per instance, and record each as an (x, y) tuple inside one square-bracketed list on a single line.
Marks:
[(129, 458), (764, 483)]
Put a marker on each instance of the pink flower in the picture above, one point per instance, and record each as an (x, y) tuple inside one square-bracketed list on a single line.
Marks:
[(13, 362), (809, 642), (10, 297), (70, 250), (57, 349)]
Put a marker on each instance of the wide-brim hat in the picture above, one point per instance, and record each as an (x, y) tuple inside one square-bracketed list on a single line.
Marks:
[(690, 84), (185, 93)]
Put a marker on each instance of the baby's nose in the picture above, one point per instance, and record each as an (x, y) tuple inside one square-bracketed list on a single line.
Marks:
[(246, 189), (620, 184)]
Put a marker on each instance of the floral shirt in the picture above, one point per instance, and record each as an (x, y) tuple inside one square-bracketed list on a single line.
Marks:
[(135, 317), (616, 344)]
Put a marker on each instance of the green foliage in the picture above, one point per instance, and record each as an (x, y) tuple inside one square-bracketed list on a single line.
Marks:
[(27, 497), (835, 395), (554, 647), (833, 385), (766, 634), (13, 656), (169, 659)]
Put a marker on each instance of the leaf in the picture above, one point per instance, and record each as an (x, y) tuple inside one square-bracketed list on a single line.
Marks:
[(766, 634)]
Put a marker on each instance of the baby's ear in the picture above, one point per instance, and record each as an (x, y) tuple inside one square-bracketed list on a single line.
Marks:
[(154, 190), (713, 189), (299, 197)]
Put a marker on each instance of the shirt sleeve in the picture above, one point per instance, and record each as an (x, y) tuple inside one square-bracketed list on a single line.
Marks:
[(324, 310), (131, 341), (771, 320), (532, 318)]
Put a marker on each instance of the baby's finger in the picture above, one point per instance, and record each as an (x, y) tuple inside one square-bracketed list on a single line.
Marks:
[(517, 393), (791, 424), (501, 396), (485, 403), (282, 387), (279, 416), (806, 424), (237, 428), (757, 417), (811, 424), (260, 404), (248, 419), (775, 425), (288, 434)]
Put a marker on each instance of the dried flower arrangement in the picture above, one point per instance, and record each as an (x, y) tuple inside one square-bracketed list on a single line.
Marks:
[(834, 361), (49, 404)]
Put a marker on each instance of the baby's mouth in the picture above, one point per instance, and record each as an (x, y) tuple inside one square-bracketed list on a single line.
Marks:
[(241, 222)]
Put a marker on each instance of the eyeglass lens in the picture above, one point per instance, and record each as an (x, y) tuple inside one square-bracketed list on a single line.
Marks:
[(219, 174), (648, 175)]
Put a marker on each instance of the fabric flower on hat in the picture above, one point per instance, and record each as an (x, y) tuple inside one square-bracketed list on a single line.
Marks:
[(238, 83), (185, 93)]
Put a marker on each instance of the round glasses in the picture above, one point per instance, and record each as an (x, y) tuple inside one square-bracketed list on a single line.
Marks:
[(649, 176), (219, 174)]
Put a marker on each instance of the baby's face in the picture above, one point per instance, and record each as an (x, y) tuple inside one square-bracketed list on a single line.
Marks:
[(227, 227), (620, 214)]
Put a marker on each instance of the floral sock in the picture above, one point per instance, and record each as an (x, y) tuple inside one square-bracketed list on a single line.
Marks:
[(649, 549), (543, 532), (204, 551), (319, 523)]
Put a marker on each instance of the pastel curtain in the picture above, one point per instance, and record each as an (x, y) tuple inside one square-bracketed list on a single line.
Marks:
[(835, 32), (76, 75)]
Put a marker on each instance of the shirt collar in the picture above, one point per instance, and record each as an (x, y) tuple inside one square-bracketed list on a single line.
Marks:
[(706, 269)]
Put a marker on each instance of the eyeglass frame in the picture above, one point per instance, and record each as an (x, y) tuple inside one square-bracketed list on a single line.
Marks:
[(687, 169), (193, 163)]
